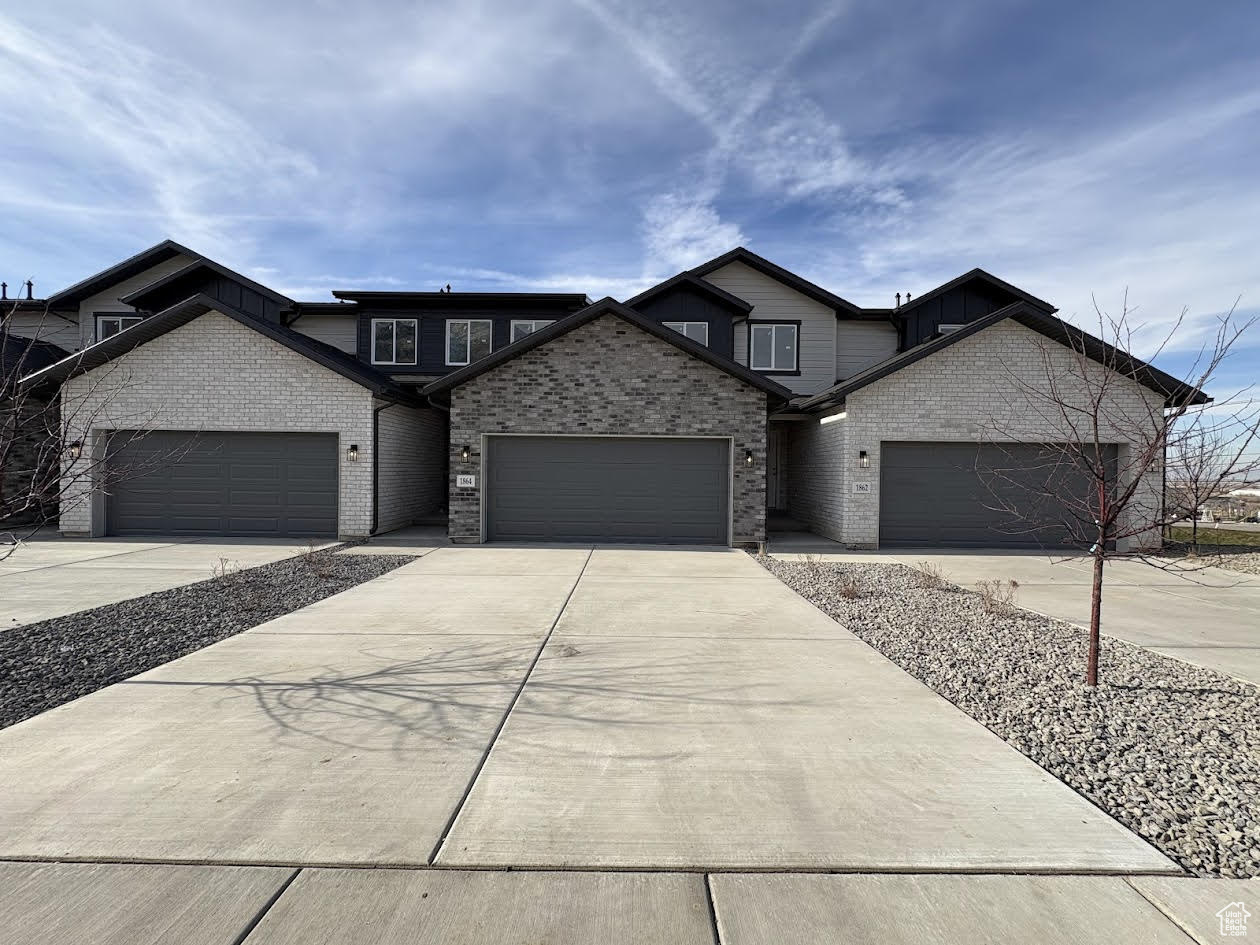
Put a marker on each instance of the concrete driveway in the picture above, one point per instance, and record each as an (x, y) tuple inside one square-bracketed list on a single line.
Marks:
[(1210, 617), (558, 707), (50, 576)]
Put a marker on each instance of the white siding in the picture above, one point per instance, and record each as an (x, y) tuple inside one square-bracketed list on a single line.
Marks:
[(338, 329), (862, 344), (107, 299), (772, 300)]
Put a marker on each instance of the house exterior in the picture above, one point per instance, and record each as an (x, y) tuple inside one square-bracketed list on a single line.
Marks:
[(207, 403)]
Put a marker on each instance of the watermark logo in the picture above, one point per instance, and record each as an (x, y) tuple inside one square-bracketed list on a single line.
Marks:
[(1234, 919)]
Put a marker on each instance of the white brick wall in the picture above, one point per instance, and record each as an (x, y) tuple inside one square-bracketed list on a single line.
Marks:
[(959, 394), (215, 374), (412, 474), (816, 475)]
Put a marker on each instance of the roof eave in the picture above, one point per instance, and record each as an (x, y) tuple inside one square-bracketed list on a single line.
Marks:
[(98, 282)]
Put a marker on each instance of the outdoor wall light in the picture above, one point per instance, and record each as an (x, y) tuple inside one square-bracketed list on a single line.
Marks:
[(747, 457), (864, 459), (76, 450), (352, 454), (465, 452)]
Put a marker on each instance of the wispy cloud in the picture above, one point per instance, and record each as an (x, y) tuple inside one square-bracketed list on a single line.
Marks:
[(160, 143)]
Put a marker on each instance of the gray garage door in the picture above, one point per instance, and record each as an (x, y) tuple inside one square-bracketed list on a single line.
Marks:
[(246, 484), (956, 495), (647, 489)]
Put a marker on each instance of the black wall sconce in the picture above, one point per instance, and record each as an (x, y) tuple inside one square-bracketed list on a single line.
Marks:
[(864, 459), (352, 454), (465, 452), (748, 459), (75, 450)]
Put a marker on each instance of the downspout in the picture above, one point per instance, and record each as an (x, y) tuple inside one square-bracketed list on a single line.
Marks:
[(376, 462)]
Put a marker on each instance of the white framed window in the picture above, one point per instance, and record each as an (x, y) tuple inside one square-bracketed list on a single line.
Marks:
[(109, 325), (467, 340), (772, 346), (524, 327), (696, 331), (394, 340)]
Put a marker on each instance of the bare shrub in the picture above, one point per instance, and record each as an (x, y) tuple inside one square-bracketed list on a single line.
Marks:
[(931, 576), (317, 561), (998, 596), (224, 568)]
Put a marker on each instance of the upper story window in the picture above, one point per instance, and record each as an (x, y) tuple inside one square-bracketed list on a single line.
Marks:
[(467, 340), (109, 325), (696, 331), (524, 327), (772, 346), (394, 340)]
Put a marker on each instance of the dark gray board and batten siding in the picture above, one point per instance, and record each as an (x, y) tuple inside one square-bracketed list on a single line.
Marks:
[(683, 305), (431, 329), (233, 484), (608, 489)]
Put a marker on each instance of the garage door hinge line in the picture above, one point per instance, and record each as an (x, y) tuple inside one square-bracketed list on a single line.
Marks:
[(485, 756)]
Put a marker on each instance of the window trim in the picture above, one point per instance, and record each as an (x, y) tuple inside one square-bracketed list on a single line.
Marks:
[(394, 345), (446, 353), (673, 326), (512, 339), (796, 371), (134, 317)]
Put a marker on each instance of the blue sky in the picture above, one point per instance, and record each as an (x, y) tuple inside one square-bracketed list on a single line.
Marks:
[(600, 145)]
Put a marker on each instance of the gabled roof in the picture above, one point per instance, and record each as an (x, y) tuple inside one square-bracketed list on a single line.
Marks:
[(790, 279), (201, 264), (132, 266), (195, 306), (606, 306), (1040, 321), (690, 280), (981, 276)]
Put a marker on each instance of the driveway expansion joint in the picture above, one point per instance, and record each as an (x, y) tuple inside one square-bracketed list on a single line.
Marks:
[(437, 849), (266, 907)]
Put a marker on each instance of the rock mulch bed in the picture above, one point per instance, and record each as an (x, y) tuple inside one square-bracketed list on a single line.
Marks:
[(1248, 562), (45, 664), (1170, 750)]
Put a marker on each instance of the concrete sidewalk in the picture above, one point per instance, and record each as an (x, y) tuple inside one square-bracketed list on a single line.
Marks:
[(49, 576), (119, 904)]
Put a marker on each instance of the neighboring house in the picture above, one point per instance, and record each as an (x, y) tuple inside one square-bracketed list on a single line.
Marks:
[(682, 414), (28, 427)]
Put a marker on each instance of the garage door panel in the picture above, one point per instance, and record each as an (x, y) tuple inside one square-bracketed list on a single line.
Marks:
[(957, 495), (631, 489), (246, 484)]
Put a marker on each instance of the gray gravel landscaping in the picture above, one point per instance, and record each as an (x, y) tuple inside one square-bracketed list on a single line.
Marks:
[(45, 664), (1170, 750)]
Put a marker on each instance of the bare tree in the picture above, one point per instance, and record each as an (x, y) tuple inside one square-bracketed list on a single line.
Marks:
[(1213, 450), (56, 448), (1098, 487)]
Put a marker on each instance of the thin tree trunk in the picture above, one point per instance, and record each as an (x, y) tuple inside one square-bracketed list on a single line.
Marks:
[(1194, 532), (1095, 620)]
